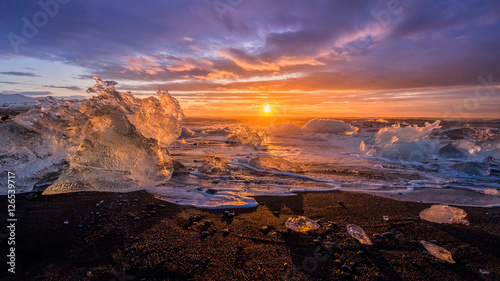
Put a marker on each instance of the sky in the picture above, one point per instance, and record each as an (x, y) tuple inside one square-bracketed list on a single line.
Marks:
[(318, 58)]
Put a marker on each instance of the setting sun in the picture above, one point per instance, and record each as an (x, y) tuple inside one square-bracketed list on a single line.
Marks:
[(267, 108)]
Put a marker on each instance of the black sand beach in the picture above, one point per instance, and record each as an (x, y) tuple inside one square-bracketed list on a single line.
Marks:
[(133, 236)]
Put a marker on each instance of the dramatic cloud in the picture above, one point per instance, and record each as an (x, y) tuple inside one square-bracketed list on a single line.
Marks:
[(327, 53)]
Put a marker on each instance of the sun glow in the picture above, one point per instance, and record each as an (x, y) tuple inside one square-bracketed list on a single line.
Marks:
[(267, 109)]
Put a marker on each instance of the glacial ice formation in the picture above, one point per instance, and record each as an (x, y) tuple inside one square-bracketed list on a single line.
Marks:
[(110, 142), (326, 126), (444, 214)]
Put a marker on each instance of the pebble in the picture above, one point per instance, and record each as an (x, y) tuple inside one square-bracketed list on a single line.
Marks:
[(345, 275), (211, 191), (337, 263), (378, 236), (204, 233), (266, 228), (346, 268), (207, 223), (226, 231), (151, 205), (387, 235)]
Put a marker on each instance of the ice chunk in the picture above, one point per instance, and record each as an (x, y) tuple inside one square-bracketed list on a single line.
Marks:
[(329, 127), (186, 132), (245, 135), (285, 130), (450, 151), (444, 214), (473, 168), (409, 143), (275, 163), (301, 224), (437, 251), (358, 233), (110, 142), (491, 191), (214, 165)]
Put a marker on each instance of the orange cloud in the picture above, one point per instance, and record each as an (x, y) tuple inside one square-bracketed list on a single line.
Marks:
[(276, 66), (143, 64), (217, 74)]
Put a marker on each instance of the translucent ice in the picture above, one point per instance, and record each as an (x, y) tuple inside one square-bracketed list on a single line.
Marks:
[(214, 165), (491, 191), (110, 142), (329, 127), (358, 233), (245, 135), (301, 224), (437, 251), (444, 214)]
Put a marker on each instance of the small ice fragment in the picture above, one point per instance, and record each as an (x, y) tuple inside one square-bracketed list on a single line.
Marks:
[(362, 146), (301, 224), (66, 222), (482, 271), (444, 214), (491, 191), (245, 135), (386, 218), (437, 251), (378, 166), (214, 165), (358, 233), (102, 201)]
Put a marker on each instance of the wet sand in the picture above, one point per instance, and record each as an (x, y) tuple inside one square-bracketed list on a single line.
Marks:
[(133, 236)]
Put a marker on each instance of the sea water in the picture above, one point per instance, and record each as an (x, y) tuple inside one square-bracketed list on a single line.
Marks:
[(440, 161)]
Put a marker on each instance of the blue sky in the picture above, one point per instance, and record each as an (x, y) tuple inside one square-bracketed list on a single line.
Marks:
[(231, 57)]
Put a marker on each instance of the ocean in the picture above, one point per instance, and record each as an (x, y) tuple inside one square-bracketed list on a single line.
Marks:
[(229, 160)]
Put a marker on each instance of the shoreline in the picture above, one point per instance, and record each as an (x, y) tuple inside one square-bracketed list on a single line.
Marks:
[(135, 235)]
